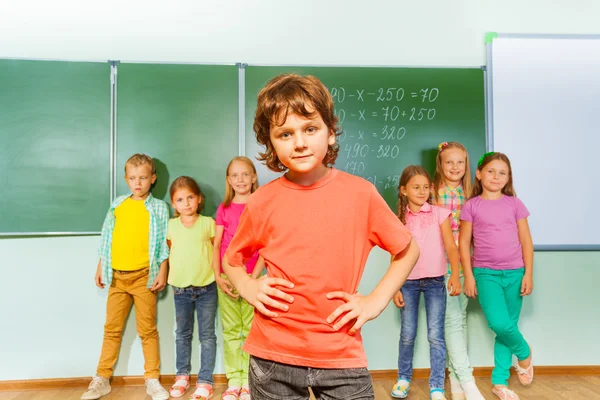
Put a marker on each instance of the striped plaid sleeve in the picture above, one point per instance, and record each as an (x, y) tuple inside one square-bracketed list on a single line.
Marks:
[(162, 222)]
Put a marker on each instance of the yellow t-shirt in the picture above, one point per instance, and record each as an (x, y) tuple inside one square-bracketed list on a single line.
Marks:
[(131, 236), (190, 259)]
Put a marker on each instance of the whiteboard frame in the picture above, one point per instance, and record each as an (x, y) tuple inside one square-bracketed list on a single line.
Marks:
[(489, 94)]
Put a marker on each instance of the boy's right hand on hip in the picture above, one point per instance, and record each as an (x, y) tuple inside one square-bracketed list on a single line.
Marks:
[(262, 293)]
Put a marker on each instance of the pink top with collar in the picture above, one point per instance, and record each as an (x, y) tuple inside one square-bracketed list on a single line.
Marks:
[(425, 227)]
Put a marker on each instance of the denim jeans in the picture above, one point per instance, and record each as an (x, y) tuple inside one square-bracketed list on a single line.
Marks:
[(204, 301), (271, 380), (434, 291)]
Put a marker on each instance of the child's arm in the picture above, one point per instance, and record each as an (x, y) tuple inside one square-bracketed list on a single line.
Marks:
[(527, 249), (464, 247), (366, 308), (98, 277), (454, 287), (258, 268), (161, 279), (259, 292), (223, 283)]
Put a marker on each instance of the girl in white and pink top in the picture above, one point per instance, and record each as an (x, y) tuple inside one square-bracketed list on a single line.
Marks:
[(430, 227)]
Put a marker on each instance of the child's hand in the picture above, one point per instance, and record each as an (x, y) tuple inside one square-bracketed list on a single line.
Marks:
[(399, 299), (527, 285), (226, 286), (262, 292), (357, 307), (454, 286), (159, 282), (98, 278), (470, 287)]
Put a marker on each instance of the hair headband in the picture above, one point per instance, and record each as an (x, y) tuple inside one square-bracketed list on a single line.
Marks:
[(442, 146), (489, 153)]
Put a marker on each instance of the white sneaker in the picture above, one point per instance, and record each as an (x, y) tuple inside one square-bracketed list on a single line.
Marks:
[(155, 389), (98, 387), (400, 389)]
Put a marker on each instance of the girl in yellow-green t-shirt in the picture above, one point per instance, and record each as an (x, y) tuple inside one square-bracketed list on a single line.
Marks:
[(190, 238)]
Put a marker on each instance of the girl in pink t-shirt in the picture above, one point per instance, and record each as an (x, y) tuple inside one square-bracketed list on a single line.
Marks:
[(236, 314), (501, 268), (430, 227)]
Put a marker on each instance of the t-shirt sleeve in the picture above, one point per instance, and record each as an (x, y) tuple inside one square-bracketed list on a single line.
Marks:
[(442, 214), (219, 216), (520, 210), (211, 227), (244, 243), (170, 228), (385, 229), (466, 214)]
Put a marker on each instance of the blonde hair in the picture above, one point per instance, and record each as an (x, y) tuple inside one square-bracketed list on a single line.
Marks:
[(409, 172), (439, 179), (229, 192), (287, 94), (187, 183), (508, 189), (138, 159)]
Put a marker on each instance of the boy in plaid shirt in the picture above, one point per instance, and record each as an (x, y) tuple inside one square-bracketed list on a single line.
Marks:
[(133, 261)]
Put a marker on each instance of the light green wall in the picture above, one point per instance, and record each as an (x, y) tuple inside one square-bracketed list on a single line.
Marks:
[(52, 314)]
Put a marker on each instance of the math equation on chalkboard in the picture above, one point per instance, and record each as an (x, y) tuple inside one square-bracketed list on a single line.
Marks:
[(375, 122)]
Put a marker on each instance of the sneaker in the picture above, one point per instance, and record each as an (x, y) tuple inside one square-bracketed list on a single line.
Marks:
[(245, 393), (437, 394), (203, 391), (525, 375), (504, 393), (456, 388), (98, 387), (232, 393), (182, 383), (155, 390), (400, 389)]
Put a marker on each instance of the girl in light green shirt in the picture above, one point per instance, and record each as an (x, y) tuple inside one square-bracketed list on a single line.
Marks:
[(190, 237)]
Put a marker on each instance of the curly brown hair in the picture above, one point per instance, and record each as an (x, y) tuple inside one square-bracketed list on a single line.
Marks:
[(293, 94)]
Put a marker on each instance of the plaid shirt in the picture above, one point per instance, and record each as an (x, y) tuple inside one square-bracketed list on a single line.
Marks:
[(159, 220), (452, 199)]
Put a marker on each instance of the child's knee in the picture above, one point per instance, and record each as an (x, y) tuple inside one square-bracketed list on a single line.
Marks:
[(502, 329)]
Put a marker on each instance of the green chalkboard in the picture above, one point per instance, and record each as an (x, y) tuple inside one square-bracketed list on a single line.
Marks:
[(391, 117), (54, 146), (184, 116)]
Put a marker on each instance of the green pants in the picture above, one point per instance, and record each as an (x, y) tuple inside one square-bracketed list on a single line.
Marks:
[(499, 294), (236, 317)]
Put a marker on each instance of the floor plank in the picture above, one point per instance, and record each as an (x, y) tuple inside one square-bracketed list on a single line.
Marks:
[(544, 388)]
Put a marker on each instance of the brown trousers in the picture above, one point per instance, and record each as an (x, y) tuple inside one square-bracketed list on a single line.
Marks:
[(129, 288)]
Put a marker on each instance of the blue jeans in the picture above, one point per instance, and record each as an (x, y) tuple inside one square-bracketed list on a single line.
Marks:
[(204, 300), (273, 380), (434, 291)]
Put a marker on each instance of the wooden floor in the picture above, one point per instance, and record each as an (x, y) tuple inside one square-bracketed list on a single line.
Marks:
[(544, 388)]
